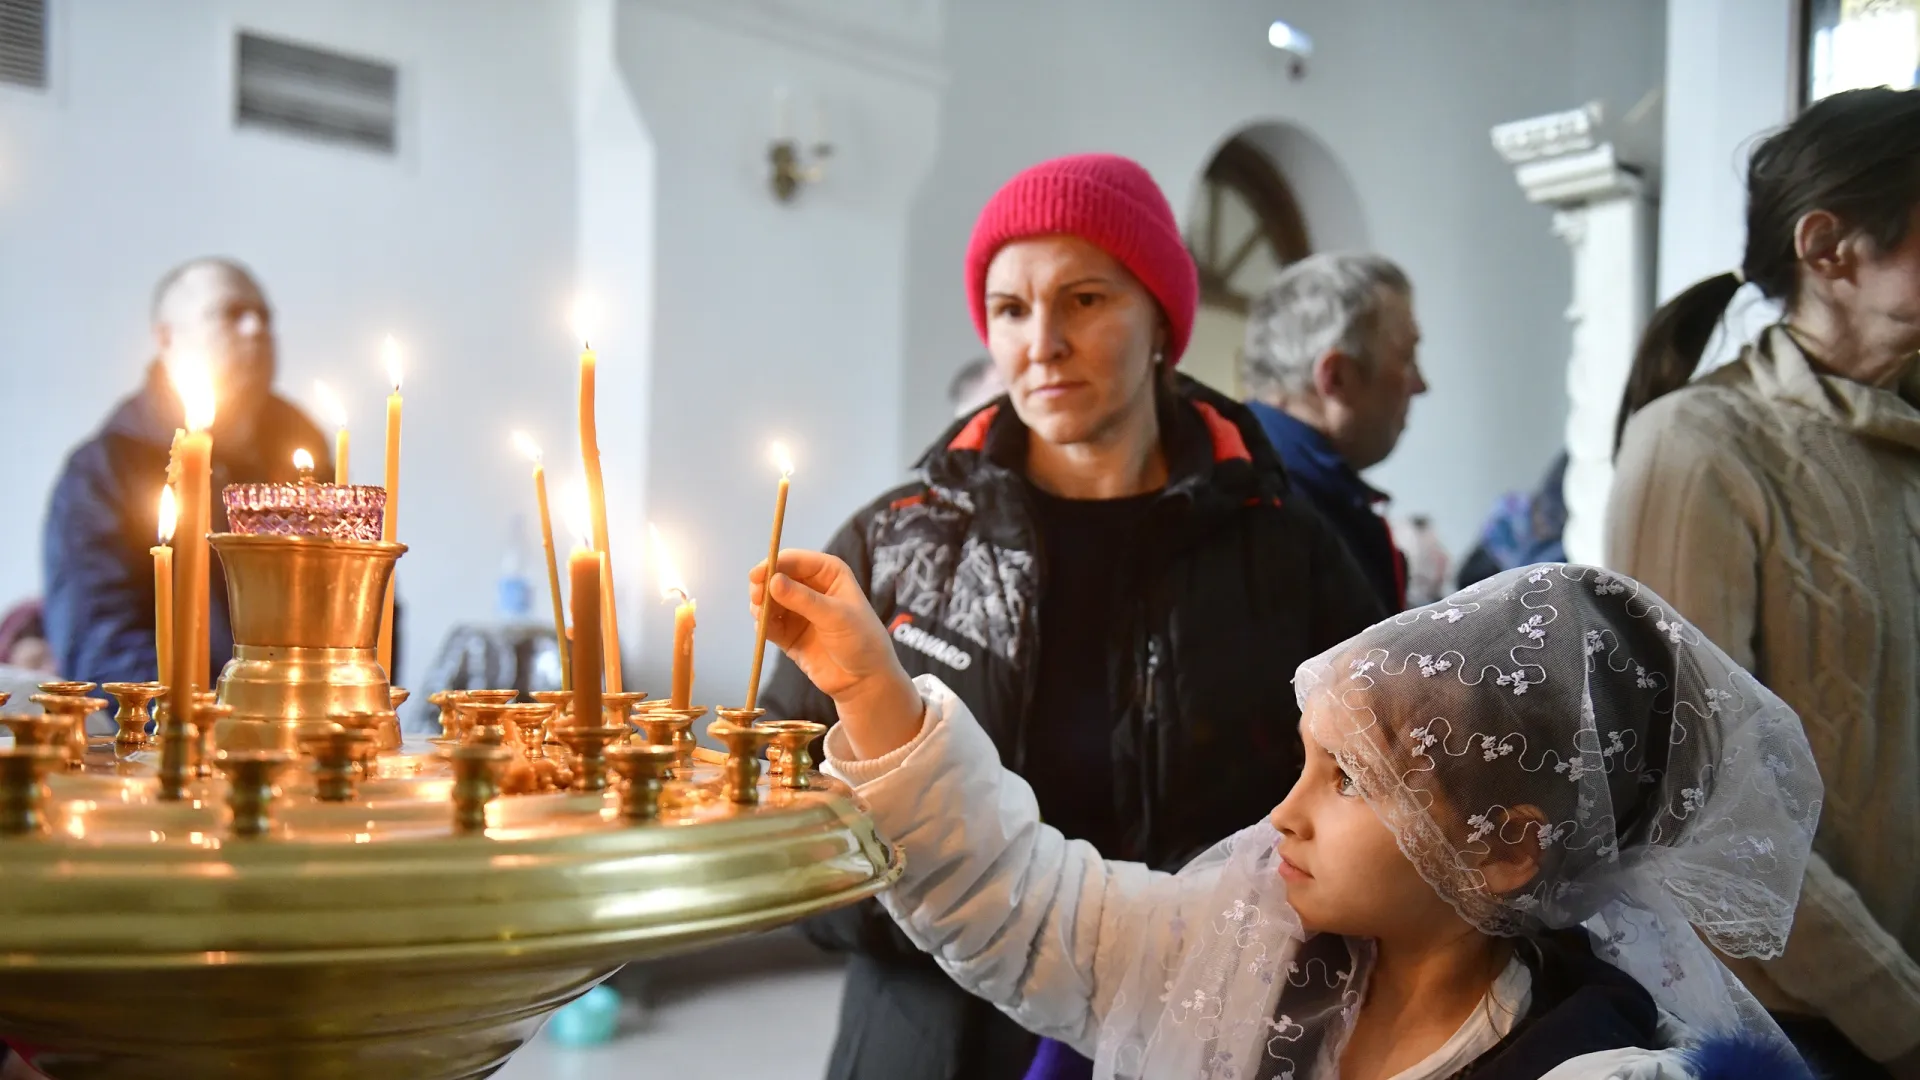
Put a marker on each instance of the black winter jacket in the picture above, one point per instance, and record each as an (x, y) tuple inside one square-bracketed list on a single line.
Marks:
[(1225, 589)]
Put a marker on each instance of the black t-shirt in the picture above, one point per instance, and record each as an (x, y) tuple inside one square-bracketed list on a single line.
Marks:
[(1070, 725)]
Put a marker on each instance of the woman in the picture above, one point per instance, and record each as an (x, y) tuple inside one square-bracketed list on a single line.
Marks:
[(1776, 502), (1105, 562), (1523, 809)]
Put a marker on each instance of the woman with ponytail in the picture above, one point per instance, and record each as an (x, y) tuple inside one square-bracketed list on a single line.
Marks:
[(1776, 503)]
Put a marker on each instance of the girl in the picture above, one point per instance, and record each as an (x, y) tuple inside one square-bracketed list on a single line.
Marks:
[(1515, 802)]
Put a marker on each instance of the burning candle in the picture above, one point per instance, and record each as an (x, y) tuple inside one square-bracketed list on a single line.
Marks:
[(163, 585), (583, 315), (583, 575), (784, 461), (337, 414), (674, 588), (389, 526), (532, 450), (194, 383), (303, 466)]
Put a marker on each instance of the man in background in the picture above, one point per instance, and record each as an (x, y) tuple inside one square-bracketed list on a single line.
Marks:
[(97, 569), (1330, 371), (976, 383)]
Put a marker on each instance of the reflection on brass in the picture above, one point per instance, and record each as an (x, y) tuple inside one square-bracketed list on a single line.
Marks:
[(68, 689), (23, 788), (250, 775), (176, 752), (306, 614), (387, 730), (71, 710), (589, 753), (665, 726), (744, 741), (491, 697), (135, 701), (336, 760), (792, 752), (644, 768), (475, 782), (529, 722)]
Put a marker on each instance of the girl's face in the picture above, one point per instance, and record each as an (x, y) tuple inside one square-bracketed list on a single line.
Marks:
[(1344, 870), (1072, 334)]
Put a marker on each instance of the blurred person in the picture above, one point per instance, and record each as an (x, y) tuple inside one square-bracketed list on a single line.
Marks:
[(1524, 528), (976, 383), (1107, 563), (103, 518), (23, 639), (1776, 502), (1330, 370)]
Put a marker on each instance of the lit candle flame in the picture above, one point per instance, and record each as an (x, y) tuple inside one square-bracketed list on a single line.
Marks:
[(169, 514), (578, 512), (586, 319), (336, 412), (782, 460), (193, 381), (302, 461), (390, 352), (525, 444), (672, 585)]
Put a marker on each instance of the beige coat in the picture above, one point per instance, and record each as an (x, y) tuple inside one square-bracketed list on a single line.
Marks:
[(1778, 508)]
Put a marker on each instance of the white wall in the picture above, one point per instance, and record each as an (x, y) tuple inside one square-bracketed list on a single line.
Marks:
[(462, 246), (1401, 92), (769, 321)]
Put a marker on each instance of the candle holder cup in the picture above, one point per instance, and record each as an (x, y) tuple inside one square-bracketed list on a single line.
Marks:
[(336, 755), (23, 787), (135, 701), (589, 753), (72, 711), (644, 769), (744, 742), (664, 725), (250, 776), (790, 758), (476, 782)]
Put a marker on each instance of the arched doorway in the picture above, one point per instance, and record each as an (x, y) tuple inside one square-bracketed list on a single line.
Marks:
[(1270, 195)]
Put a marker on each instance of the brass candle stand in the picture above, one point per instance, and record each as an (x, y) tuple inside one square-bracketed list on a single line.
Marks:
[(325, 906)]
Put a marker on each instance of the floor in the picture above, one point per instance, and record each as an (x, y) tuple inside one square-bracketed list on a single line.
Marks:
[(762, 1009)]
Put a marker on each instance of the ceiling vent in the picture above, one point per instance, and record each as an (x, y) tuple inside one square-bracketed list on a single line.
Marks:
[(312, 93), (23, 43)]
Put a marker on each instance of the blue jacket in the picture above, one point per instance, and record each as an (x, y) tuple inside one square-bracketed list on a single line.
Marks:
[(1317, 471), (97, 566)]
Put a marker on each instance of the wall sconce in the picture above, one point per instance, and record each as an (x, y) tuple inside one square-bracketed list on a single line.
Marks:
[(791, 164)]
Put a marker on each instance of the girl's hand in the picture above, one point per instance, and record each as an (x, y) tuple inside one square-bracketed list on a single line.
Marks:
[(822, 621)]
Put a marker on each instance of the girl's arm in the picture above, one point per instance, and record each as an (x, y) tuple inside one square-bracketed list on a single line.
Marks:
[(1039, 925)]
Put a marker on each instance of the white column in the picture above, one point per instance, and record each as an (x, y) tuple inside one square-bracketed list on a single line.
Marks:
[(1602, 212)]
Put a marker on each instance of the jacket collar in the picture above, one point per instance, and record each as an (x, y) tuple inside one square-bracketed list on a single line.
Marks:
[(1212, 443), (1782, 370), (1312, 461)]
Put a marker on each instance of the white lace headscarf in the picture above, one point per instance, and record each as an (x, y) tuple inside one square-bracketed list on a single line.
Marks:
[(1668, 788)]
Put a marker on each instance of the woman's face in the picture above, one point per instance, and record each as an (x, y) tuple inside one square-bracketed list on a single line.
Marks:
[(1073, 335), (1888, 284), (1344, 871)]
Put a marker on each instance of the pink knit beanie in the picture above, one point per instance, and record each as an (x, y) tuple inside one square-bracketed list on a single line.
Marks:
[(1108, 201)]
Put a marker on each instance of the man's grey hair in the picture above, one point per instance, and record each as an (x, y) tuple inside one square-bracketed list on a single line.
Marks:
[(1322, 302), (163, 291)]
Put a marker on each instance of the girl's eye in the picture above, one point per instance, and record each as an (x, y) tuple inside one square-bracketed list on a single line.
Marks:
[(1346, 786), (1007, 309), (1088, 299)]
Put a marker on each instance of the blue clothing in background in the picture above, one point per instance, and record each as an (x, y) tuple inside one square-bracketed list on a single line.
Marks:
[(1348, 503)]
